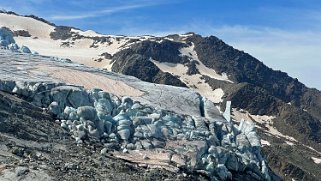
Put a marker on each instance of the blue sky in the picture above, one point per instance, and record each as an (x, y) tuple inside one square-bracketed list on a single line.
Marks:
[(284, 34)]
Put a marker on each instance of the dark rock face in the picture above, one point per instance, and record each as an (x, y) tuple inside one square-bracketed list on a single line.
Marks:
[(248, 97), (300, 124), (8, 12), (140, 66), (21, 33), (292, 161), (192, 69), (242, 67), (106, 55), (169, 51), (61, 33), (165, 51)]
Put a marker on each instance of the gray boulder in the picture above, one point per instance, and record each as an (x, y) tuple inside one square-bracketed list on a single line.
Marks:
[(147, 144)]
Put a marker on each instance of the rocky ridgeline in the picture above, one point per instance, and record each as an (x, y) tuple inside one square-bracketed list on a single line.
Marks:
[(220, 148)]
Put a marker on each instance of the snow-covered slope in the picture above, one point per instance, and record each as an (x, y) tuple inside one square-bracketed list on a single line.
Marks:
[(43, 43)]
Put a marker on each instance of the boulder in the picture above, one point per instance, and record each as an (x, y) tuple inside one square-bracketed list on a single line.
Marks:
[(147, 144), (158, 143), (130, 146), (168, 133)]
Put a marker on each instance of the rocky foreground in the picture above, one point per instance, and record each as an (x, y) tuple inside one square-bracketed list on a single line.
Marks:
[(34, 147), (179, 134)]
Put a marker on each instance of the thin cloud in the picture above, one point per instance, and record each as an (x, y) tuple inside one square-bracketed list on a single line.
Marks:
[(109, 10)]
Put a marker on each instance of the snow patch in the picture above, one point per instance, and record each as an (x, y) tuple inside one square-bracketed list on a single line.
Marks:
[(264, 142), (195, 82), (186, 35), (192, 55), (316, 160), (289, 143), (261, 119), (311, 149), (88, 33)]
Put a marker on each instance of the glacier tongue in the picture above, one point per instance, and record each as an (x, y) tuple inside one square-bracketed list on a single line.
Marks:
[(162, 120)]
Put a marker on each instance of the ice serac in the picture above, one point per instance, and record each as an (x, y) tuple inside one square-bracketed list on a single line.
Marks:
[(227, 112), (6, 38), (7, 42)]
